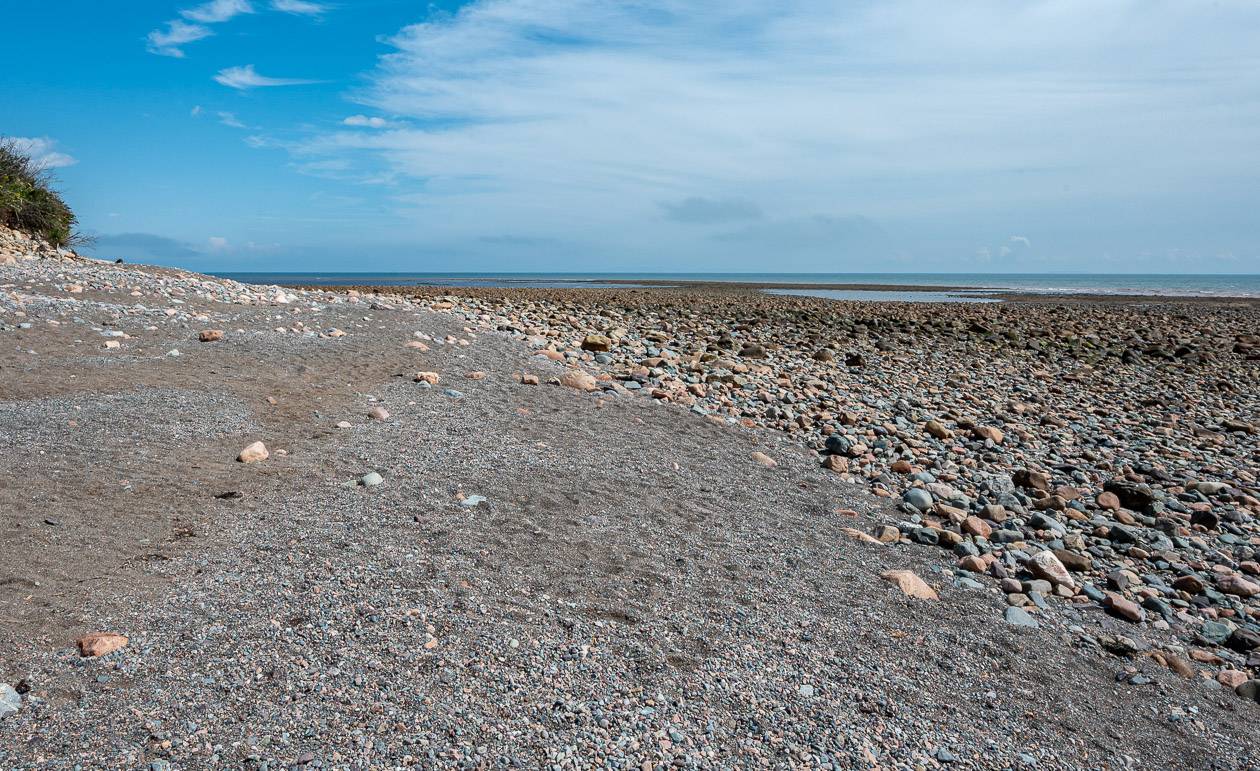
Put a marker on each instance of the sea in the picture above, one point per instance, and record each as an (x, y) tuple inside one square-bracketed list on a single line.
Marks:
[(955, 287)]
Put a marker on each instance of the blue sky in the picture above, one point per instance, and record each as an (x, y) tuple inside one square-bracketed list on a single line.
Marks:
[(528, 135)]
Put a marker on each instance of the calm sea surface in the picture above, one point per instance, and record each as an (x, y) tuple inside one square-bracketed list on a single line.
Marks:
[(1233, 285)]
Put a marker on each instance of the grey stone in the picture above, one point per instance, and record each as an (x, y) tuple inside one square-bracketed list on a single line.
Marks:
[(1020, 617), (10, 700)]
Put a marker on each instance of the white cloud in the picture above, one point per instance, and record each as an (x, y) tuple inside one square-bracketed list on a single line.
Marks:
[(952, 119), (246, 77), (217, 11), (178, 33), (363, 121), (230, 119), (1021, 240), (217, 243), (43, 152), (300, 7), (170, 42)]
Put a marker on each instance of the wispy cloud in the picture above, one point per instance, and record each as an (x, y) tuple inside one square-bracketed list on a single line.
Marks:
[(178, 33), (230, 119), (299, 7), (43, 152), (217, 11), (195, 21), (363, 121), (245, 77)]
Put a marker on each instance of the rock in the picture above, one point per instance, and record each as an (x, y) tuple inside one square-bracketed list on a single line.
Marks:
[(1031, 480), (596, 343), (473, 501), (1178, 664), (977, 527), (764, 459), (1190, 584), (528, 379), (1020, 617), (887, 534), (858, 535), (1123, 608), (1045, 565), (100, 644), (1074, 561), (475, 375), (371, 479), (210, 335), (973, 564), (988, 433), (1206, 519), (1244, 640), (1231, 678), (577, 379), (918, 497), (378, 413), (836, 463), (432, 378), (937, 430), (910, 584), (1237, 586), (1130, 494), (1214, 631), (254, 453), (10, 700), (1108, 501), (1249, 690), (925, 535)]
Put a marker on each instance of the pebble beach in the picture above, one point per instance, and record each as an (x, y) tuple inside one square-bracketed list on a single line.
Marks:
[(273, 527)]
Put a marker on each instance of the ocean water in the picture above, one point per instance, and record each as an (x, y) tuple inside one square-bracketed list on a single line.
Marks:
[(866, 286)]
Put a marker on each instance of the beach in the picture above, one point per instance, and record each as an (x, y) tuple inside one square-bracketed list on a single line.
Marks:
[(638, 527)]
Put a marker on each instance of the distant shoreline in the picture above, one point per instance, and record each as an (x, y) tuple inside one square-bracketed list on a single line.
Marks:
[(986, 290)]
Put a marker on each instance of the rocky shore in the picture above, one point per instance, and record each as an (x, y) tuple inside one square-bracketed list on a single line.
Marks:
[(1104, 455), (260, 527)]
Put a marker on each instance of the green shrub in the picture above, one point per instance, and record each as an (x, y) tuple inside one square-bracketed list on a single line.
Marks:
[(28, 201)]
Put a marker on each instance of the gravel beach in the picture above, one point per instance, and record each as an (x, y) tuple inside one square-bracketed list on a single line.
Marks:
[(631, 528)]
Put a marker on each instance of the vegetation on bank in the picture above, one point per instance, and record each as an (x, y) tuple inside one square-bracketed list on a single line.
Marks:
[(28, 201)]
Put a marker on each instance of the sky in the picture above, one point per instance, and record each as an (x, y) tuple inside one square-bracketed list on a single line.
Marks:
[(648, 135)]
